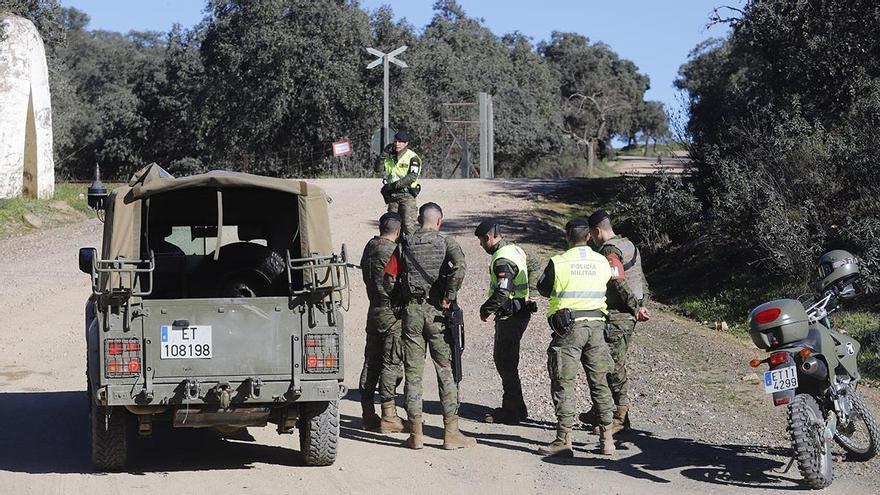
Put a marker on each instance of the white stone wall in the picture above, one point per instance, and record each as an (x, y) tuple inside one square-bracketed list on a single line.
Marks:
[(26, 166)]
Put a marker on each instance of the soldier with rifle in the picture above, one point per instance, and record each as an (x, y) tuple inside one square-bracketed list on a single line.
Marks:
[(432, 268)]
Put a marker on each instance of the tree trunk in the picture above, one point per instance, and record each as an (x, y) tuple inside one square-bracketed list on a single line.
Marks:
[(591, 159), (647, 138)]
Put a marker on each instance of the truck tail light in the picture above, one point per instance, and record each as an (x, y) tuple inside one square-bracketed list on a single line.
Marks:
[(322, 353), (122, 358)]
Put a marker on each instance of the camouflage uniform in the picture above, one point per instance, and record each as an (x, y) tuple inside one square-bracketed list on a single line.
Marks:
[(382, 352), (433, 269), (584, 344), (509, 330), (623, 304)]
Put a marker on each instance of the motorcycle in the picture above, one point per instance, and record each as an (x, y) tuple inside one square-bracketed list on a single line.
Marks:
[(813, 369)]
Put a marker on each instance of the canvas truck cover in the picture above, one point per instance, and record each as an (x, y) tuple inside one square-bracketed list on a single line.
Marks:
[(122, 225)]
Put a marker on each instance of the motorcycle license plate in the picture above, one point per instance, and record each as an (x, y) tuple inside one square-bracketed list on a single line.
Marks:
[(780, 380), (193, 342)]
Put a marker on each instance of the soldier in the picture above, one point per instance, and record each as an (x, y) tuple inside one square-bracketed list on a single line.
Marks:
[(575, 282), (508, 301), (382, 352), (432, 273), (627, 292), (402, 169)]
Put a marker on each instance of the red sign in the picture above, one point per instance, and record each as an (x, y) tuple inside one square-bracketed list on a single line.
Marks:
[(341, 148)]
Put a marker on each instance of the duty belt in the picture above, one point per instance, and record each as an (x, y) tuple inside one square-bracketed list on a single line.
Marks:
[(588, 315)]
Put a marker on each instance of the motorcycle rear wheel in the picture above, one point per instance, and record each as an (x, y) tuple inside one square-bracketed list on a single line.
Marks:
[(860, 420), (806, 428)]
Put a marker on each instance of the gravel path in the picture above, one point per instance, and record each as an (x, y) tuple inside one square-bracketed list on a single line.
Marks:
[(701, 422)]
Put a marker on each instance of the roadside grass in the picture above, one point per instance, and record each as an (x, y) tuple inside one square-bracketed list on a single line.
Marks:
[(67, 205)]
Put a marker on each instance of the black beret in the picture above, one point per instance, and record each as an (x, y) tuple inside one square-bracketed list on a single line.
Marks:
[(597, 217), (577, 223), (402, 136), (485, 226)]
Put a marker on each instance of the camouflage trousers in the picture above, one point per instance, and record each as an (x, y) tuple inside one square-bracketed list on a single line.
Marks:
[(508, 334), (424, 329), (583, 346), (618, 334), (383, 355), (405, 205)]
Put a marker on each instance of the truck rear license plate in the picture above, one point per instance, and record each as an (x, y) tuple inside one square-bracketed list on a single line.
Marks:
[(193, 342), (780, 380)]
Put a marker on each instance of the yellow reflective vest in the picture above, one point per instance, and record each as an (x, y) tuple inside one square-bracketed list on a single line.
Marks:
[(396, 170), (581, 277), (517, 256)]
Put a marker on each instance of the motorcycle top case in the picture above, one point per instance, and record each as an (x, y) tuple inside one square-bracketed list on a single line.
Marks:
[(778, 323)]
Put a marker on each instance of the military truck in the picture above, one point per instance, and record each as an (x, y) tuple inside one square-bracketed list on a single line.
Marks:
[(216, 303)]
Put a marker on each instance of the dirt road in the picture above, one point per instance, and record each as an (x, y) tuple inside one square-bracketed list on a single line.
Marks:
[(701, 422)]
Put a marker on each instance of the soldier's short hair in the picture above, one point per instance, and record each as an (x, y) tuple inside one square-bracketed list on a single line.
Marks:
[(389, 222), (578, 229), (429, 210)]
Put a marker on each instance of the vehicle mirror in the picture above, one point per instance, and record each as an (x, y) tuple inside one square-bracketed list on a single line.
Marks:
[(86, 255)]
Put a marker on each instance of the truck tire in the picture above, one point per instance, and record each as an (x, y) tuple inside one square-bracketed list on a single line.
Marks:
[(109, 449), (319, 433), (806, 427), (860, 419)]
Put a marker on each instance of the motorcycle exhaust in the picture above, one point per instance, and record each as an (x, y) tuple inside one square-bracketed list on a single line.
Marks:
[(814, 368)]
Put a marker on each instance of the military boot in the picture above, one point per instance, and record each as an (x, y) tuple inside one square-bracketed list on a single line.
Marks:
[(391, 422), (369, 419), (561, 446), (606, 440), (453, 438), (619, 422), (621, 419), (590, 419), (416, 438)]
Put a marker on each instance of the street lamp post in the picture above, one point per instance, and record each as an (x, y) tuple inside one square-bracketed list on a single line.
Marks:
[(385, 59)]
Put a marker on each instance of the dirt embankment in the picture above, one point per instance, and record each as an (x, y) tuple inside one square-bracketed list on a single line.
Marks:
[(701, 422)]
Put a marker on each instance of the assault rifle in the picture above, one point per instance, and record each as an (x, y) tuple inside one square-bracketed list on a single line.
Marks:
[(454, 318)]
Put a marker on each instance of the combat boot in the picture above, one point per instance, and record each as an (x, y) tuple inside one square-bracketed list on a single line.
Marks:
[(453, 438), (391, 422), (369, 419), (620, 421), (560, 447), (416, 439), (606, 440), (590, 419)]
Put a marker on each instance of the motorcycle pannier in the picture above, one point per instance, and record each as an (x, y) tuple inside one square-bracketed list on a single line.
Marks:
[(777, 323)]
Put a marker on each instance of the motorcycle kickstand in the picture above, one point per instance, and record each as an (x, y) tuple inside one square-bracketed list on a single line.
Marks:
[(787, 467)]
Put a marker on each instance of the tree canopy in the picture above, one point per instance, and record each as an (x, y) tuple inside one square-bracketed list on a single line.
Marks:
[(269, 85)]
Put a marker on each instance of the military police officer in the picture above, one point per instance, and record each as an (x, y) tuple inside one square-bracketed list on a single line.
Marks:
[(402, 169), (575, 282), (627, 292), (433, 268), (383, 355), (508, 301)]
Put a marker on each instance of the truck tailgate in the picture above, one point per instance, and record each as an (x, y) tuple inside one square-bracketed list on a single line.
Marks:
[(220, 338)]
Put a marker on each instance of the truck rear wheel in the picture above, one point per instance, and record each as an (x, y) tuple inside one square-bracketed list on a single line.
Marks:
[(109, 449), (319, 433)]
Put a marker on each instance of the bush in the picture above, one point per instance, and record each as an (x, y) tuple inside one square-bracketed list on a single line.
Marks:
[(661, 210)]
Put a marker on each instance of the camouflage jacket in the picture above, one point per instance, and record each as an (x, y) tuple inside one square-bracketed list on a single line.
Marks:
[(375, 257)]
